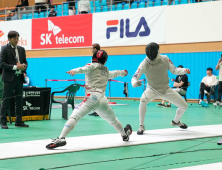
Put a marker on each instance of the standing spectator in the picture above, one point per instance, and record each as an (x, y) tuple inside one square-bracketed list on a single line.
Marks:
[(41, 5), (219, 67), (27, 81), (95, 47), (84, 7), (23, 4), (72, 9), (52, 12), (13, 62), (206, 84)]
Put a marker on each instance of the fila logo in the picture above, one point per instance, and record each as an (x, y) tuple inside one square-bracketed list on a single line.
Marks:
[(125, 27), (1, 33), (53, 28), (46, 38)]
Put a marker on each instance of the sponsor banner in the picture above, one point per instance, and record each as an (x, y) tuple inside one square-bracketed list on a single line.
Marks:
[(23, 27), (130, 27), (62, 32)]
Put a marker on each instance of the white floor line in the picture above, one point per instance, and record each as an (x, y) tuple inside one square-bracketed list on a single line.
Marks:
[(57, 106), (74, 144), (213, 166)]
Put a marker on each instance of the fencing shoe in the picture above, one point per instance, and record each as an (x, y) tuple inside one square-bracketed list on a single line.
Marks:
[(56, 143), (128, 131), (141, 130), (217, 103), (160, 104), (181, 125)]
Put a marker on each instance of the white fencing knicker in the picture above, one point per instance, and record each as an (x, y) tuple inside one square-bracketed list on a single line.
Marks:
[(170, 95), (93, 101)]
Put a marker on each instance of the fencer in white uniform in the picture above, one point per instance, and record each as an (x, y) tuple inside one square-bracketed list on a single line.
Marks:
[(155, 67), (96, 78)]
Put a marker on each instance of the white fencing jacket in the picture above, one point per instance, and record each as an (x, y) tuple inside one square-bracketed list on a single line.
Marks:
[(156, 73), (97, 75)]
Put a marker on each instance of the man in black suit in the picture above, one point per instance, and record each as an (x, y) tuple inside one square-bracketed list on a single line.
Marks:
[(13, 62)]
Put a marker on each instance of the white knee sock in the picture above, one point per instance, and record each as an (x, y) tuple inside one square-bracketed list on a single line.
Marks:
[(69, 126), (179, 114), (119, 127), (142, 111)]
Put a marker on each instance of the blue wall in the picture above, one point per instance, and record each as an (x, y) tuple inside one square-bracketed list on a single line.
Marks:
[(54, 68)]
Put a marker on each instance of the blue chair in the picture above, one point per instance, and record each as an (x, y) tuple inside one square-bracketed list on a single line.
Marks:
[(176, 2), (165, 2), (157, 3), (59, 8), (103, 3), (119, 7), (59, 14), (126, 6), (193, 1), (113, 7), (105, 9), (42, 15), (76, 5), (183, 2), (47, 14), (29, 16), (97, 3), (92, 9), (36, 15), (150, 3), (91, 3), (133, 5), (65, 13), (65, 6), (24, 16), (98, 9), (141, 4)]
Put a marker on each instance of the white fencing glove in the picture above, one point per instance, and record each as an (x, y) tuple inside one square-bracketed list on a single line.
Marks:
[(139, 83)]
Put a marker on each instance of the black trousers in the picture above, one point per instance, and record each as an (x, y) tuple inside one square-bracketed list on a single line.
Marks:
[(84, 12), (219, 90), (16, 86), (202, 88)]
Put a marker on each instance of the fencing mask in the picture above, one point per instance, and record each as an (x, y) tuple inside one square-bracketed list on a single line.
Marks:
[(152, 50)]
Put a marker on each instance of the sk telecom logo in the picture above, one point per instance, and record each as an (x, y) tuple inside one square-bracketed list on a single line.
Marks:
[(126, 28), (53, 28), (1, 33), (62, 39)]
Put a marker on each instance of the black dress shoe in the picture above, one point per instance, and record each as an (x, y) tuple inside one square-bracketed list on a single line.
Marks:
[(4, 126), (21, 124)]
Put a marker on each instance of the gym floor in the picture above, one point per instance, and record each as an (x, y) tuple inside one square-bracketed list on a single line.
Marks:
[(156, 156)]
